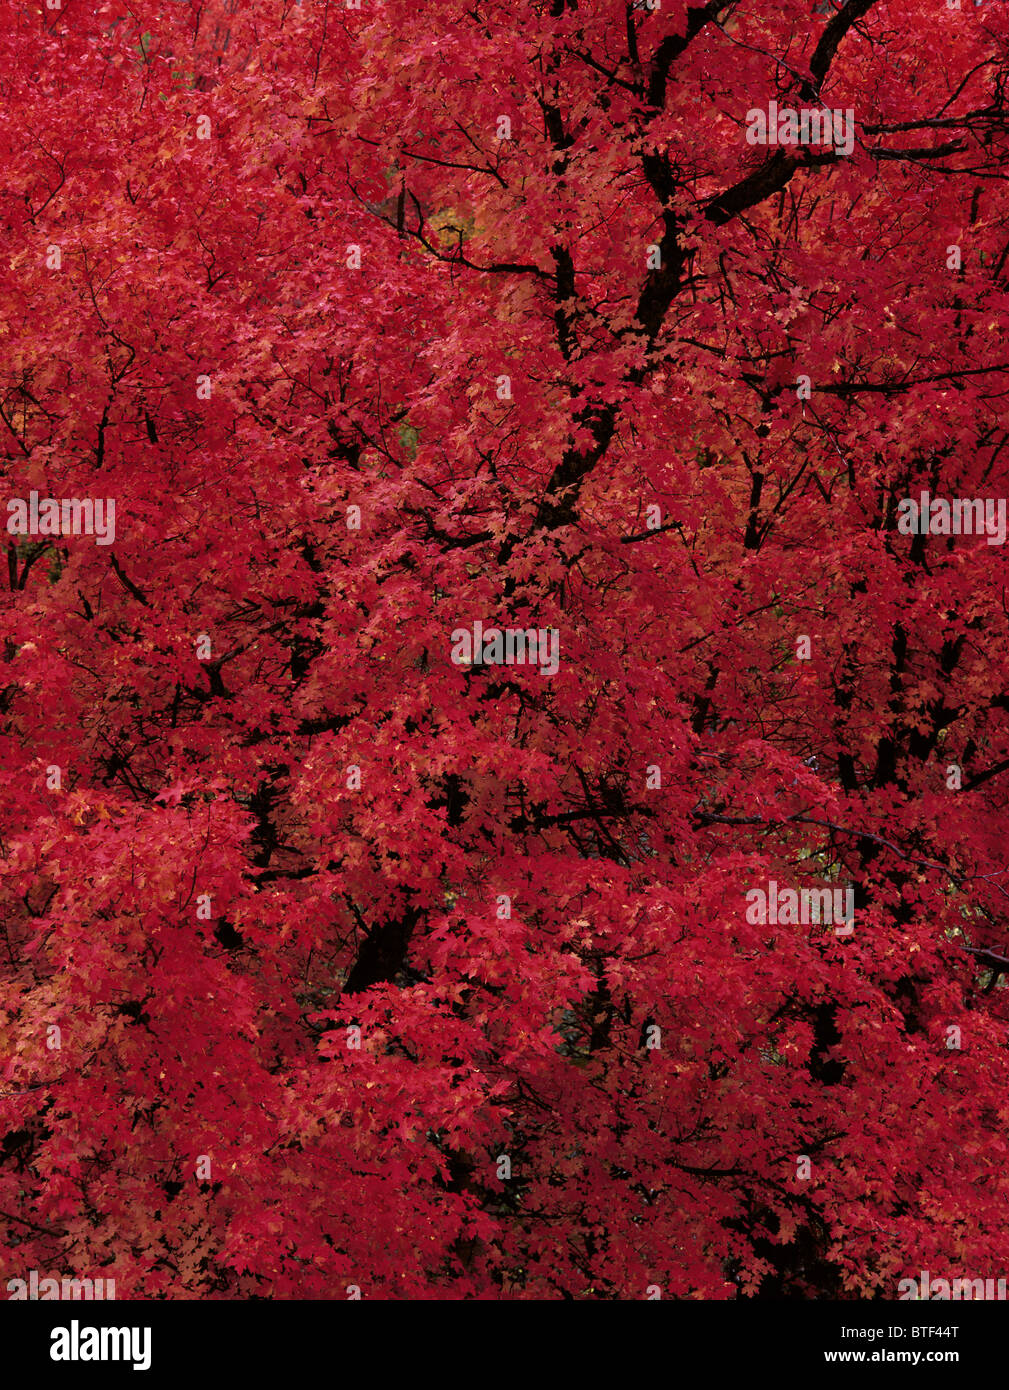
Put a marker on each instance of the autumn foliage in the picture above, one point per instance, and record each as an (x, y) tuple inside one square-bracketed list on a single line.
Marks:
[(378, 321)]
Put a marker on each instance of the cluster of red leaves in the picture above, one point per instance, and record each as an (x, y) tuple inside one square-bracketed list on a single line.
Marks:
[(265, 264)]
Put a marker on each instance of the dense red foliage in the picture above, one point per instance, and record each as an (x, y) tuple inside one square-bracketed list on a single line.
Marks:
[(512, 281)]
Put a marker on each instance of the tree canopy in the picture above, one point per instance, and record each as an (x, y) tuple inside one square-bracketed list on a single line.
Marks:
[(335, 962)]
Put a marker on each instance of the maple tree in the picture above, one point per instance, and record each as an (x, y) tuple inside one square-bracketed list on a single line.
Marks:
[(330, 964)]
